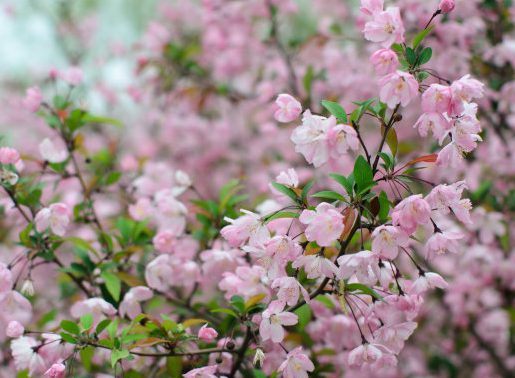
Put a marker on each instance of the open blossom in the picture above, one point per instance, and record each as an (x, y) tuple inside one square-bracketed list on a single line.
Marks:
[(316, 266), (296, 365), (72, 75), (204, 372), (387, 27), (289, 108), (411, 212), (50, 153), (440, 242), (25, 357), (437, 98), (387, 240), (164, 241), (445, 198), (435, 122), (365, 354), (289, 290), (385, 61), (130, 305), (97, 307), (9, 155), (363, 264), (325, 224), (288, 178), (398, 87), (274, 318), (340, 138), (446, 6), (370, 7), (32, 100), (159, 273), (206, 333), (249, 226), (427, 281), (311, 139), (6, 278), (55, 216), (56, 371), (14, 329)]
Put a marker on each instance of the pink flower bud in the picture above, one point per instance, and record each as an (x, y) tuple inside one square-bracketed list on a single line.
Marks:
[(14, 329), (446, 6), (207, 334), (9, 155), (289, 108), (56, 371), (32, 99)]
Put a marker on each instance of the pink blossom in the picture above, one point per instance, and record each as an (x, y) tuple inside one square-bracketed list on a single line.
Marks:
[(141, 210), (283, 249), (365, 354), (97, 307), (387, 27), (56, 371), (249, 226), (437, 98), (448, 197), (164, 241), (50, 153), (206, 333), (411, 212), (6, 278), (385, 61), (203, 372), (289, 289), (370, 7), (273, 319), (440, 242), (363, 264), (9, 155), (14, 329), (159, 273), (427, 281), (393, 336), (289, 108), (311, 139), (296, 365), (434, 122), (288, 178), (398, 87), (387, 240), (340, 138), (316, 266), (25, 357), (72, 75), (446, 6), (131, 301), (32, 100), (55, 216), (325, 224)]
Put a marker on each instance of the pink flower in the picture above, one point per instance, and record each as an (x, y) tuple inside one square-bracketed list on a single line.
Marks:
[(296, 365), (440, 242), (131, 301), (55, 216), (273, 319), (387, 27), (164, 241), (14, 329), (325, 224), (446, 6), (311, 140), (204, 372), (385, 61), (369, 7), (434, 122), (427, 281), (6, 278), (340, 138), (9, 155), (56, 371), (437, 98), (365, 354), (249, 226), (50, 152), (448, 197), (97, 307), (207, 334), (141, 209), (363, 264), (25, 357), (398, 87), (289, 289), (72, 76), (159, 273), (289, 108), (32, 100), (387, 240), (316, 266), (411, 212)]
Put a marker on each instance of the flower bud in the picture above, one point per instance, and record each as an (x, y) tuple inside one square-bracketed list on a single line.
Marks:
[(182, 178), (14, 329), (27, 289), (56, 371), (446, 6), (259, 357)]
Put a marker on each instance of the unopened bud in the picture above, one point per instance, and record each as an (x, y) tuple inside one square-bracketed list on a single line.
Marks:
[(397, 117), (27, 289), (259, 357), (446, 6)]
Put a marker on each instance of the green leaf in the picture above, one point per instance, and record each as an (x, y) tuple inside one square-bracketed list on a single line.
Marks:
[(279, 215), (386, 158), (60, 102), (308, 79), (397, 47), (325, 301), (113, 177), (343, 181), (362, 172), (329, 194), (336, 110), (68, 338), (89, 118), (365, 187), (86, 354), (24, 235), (174, 366), (423, 76), (285, 190), (112, 328), (420, 36), (81, 243), (117, 355), (384, 205), (304, 314), (86, 321), (238, 303), (306, 190), (102, 325), (392, 141), (70, 327), (411, 57), (425, 56), (226, 311), (364, 290), (113, 284)]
